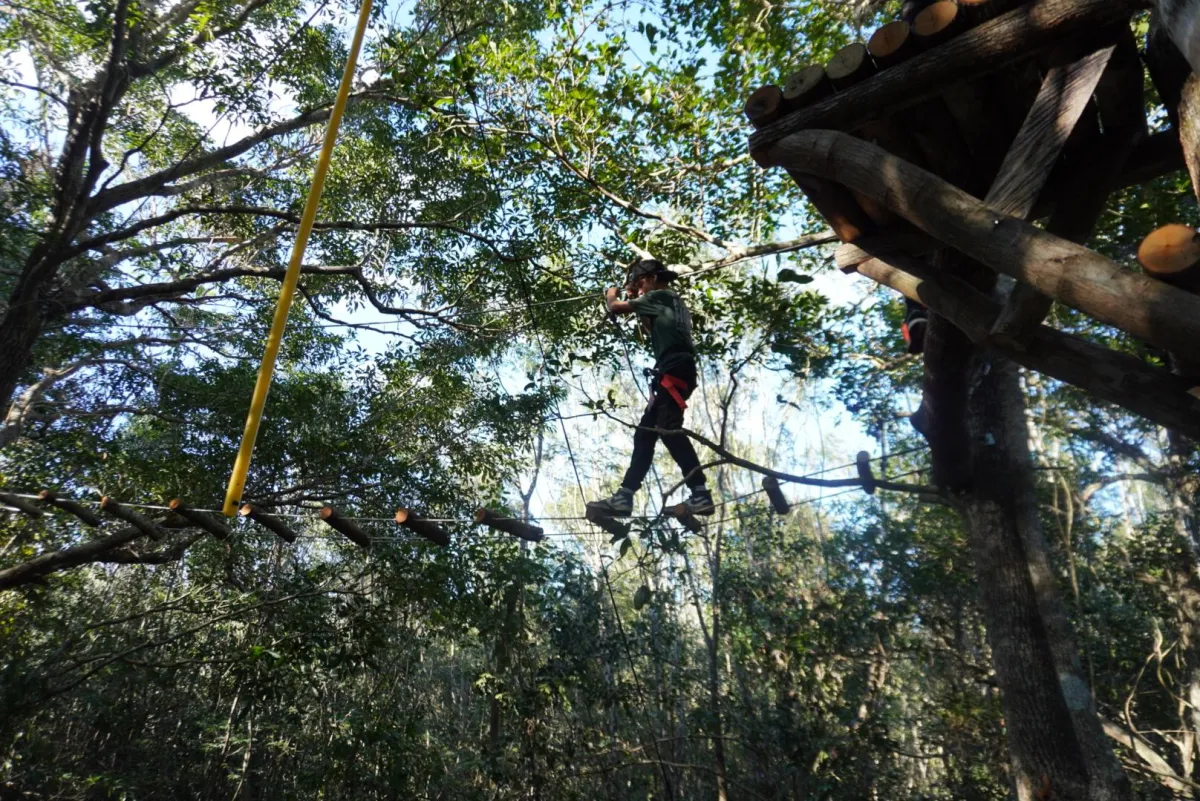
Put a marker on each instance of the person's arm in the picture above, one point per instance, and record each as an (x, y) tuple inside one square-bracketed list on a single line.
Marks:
[(615, 304)]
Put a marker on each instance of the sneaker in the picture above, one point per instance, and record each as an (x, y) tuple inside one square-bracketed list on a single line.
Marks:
[(619, 505), (701, 502)]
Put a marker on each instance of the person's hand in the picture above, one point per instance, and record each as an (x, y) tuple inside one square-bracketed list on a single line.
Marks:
[(631, 291), (611, 295)]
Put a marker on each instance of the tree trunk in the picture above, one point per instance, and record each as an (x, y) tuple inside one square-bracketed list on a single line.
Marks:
[(1056, 745)]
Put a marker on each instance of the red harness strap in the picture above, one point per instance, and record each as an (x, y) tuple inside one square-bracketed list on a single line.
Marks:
[(674, 387)]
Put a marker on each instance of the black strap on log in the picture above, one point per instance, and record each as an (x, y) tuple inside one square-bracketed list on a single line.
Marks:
[(110, 506), (272, 524), (429, 530), (779, 503), (508, 525), (206, 522), (344, 526)]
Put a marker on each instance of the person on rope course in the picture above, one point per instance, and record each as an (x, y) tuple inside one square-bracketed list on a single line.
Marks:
[(663, 313)]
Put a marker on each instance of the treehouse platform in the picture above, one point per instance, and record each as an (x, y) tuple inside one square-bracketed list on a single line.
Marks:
[(962, 154)]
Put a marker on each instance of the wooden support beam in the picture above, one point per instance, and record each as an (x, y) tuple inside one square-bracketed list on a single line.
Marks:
[(1065, 94), (344, 526), (1073, 275), (862, 462), (111, 506), (1189, 129), (835, 203), (509, 525), (204, 521), (683, 514), (20, 504), (778, 502), (87, 516), (269, 522), (427, 529), (1168, 68), (1118, 378), (1008, 39), (609, 524), (914, 243)]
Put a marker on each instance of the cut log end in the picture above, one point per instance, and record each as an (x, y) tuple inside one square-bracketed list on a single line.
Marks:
[(765, 105), (850, 65), (1172, 254), (889, 41), (937, 22), (402, 515), (807, 86)]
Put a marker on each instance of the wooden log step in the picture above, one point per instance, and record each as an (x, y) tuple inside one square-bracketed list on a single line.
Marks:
[(204, 521), (20, 504), (111, 506), (862, 462), (508, 525), (608, 524), (427, 529), (805, 87), (683, 514), (344, 526), (1172, 254), (779, 502), (67, 505), (267, 521)]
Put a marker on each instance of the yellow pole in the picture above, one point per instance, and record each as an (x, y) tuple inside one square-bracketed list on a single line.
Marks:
[(237, 481)]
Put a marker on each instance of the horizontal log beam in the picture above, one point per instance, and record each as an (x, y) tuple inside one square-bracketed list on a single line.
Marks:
[(1118, 378), (997, 43), (1071, 274)]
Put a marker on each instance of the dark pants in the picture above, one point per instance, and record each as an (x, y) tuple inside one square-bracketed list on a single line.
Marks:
[(663, 413)]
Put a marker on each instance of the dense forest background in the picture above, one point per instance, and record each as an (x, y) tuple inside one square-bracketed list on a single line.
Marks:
[(498, 165)]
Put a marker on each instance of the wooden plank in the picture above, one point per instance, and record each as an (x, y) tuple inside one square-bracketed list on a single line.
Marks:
[(1000, 42), (1064, 94), (1087, 192)]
